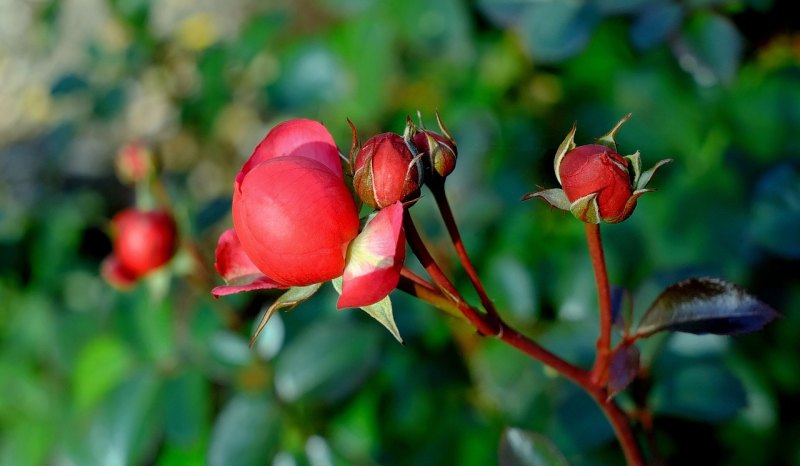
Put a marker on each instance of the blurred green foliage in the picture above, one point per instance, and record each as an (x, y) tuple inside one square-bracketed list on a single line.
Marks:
[(163, 374)]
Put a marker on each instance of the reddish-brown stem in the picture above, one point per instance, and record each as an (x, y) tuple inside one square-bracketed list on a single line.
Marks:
[(621, 425), (448, 299), (603, 356), (437, 188), (484, 325), (411, 275)]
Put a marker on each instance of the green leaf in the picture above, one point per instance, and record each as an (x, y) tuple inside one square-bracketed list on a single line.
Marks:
[(775, 222), (245, 433), (716, 47), (186, 404), (328, 360), (705, 305), (522, 448), (102, 364), (127, 425), (380, 311), (555, 30), (292, 297), (701, 391)]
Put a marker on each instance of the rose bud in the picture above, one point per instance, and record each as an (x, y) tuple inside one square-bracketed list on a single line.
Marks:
[(599, 185), (143, 241), (386, 171), (134, 163), (439, 151), (596, 169)]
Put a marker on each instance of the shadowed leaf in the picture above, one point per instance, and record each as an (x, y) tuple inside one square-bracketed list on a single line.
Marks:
[(705, 305), (522, 448), (623, 369)]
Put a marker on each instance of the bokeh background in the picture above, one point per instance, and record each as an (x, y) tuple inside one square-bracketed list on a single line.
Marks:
[(163, 375)]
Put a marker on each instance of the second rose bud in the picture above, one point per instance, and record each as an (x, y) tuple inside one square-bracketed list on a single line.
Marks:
[(386, 171)]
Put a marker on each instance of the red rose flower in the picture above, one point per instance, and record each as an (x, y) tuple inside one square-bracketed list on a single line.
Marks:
[(295, 222)]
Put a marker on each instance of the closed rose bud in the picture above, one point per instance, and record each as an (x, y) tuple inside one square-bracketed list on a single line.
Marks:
[(439, 150), (386, 171), (143, 241), (599, 185), (596, 169)]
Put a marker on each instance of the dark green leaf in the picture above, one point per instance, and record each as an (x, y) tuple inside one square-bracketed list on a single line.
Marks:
[(246, 432), (523, 448), (714, 49), (555, 30), (655, 23), (776, 212), (327, 361), (705, 305), (702, 391)]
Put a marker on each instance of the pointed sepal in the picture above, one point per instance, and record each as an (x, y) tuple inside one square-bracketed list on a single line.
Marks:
[(635, 162), (555, 197), (608, 138), (647, 175), (566, 145), (291, 298), (380, 311), (586, 209)]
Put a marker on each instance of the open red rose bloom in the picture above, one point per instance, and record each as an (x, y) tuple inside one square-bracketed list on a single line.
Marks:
[(295, 222)]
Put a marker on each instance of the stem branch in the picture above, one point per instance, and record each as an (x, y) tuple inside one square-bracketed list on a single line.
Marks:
[(603, 356), (437, 188)]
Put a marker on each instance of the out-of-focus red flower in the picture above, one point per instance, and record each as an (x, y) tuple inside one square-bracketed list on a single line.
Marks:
[(142, 242)]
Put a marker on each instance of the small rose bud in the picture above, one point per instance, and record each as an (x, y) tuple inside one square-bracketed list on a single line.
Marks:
[(599, 185), (438, 151), (596, 169), (134, 163), (386, 171)]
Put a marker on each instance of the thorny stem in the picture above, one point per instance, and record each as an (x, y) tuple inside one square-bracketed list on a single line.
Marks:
[(437, 188), (603, 355), (448, 299)]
